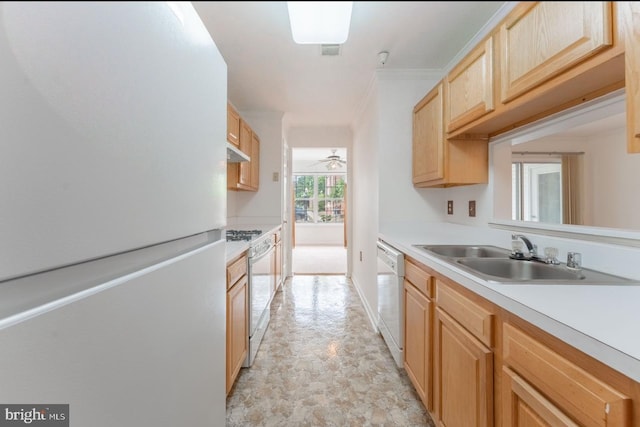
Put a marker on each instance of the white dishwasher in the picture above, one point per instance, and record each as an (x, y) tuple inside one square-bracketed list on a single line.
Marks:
[(390, 304)]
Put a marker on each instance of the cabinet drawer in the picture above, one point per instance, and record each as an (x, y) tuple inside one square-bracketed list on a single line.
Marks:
[(470, 315), (418, 277), (577, 393), (236, 269)]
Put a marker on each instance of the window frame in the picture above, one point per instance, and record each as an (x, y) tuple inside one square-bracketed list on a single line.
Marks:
[(316, 200)]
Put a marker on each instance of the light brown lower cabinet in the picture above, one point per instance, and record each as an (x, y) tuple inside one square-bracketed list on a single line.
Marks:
[(463, 376), (237, 318), (417, 341), (475, 364), (524, 406), (541, 387)]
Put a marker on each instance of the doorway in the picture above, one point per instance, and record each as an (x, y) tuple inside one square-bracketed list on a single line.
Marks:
[(319, 213)]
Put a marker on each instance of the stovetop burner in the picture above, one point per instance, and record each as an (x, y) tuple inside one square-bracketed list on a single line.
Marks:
[(239, 235)]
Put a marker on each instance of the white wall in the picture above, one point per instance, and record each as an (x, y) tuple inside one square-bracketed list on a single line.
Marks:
[(263, 206), (320, 136), (319, 234), (382, 187), (364, 207), (612, 168), (398, 92), (461, 196)]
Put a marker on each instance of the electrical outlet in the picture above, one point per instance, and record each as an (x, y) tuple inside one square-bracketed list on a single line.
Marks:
[(360, 255), (450, 207), (472, 208), (276, 177)]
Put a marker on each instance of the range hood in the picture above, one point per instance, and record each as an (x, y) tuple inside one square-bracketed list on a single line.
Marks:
[(234, 155)]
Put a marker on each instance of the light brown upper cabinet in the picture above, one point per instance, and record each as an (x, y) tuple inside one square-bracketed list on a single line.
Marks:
[(428, 138), (469, 87), (233, 125), (255, 162), (547, 57), (540, 40), (631, 17), (438, 162), (245, 176)]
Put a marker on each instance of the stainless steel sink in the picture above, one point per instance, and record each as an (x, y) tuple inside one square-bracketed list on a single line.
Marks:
[(517, 271), (466, 251), (493, 264)]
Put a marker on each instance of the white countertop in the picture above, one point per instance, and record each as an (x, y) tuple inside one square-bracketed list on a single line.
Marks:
[(599, 320), (233, 249)]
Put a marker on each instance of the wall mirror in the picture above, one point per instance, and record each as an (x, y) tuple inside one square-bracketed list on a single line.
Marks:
[(570, 174)]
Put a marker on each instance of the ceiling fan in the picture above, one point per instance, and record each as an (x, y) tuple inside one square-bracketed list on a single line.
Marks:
[(333, 161)]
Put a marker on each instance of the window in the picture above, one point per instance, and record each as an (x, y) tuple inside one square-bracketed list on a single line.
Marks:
[(536, 191), (319, 198)]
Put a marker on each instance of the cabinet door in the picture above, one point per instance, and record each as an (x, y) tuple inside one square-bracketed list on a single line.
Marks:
[(470, 87), (464, 376), (417, 341), (580, 395), (233, 125), (631, 15), (524, 406), (428, 138), (244, 177), (540, 40), (255, 162), (237, 329)]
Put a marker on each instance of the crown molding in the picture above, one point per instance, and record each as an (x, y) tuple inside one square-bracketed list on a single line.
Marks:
[(409, 74), (492, 23)]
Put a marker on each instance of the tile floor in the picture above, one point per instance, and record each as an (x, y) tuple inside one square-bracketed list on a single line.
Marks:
[(322, 364)]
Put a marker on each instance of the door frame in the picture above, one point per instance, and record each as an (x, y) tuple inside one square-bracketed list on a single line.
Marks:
[(289, 199)]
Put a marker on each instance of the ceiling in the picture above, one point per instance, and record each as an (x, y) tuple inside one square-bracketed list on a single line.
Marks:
[(267, 71)]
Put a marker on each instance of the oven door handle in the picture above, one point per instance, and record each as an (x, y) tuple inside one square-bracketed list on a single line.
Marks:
[(262, 255)]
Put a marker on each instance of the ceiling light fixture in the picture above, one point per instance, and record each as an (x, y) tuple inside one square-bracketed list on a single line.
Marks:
[(333, 161), (320, 22), (333, 166)]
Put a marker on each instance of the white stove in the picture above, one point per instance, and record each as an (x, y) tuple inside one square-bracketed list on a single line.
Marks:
[(261, 278), (242, 235)]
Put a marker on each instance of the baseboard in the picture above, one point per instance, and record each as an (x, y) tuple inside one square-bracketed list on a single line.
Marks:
[(372, 314), (321, 274)]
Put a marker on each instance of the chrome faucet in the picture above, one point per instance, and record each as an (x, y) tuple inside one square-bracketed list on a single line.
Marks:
[(517, 253), (574, 260)]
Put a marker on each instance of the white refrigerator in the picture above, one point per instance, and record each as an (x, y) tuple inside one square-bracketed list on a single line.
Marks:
[(112, 205)]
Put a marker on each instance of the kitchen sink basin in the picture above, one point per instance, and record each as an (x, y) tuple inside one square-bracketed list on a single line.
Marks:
[(493, 264), (466, 251), (517, 271)]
